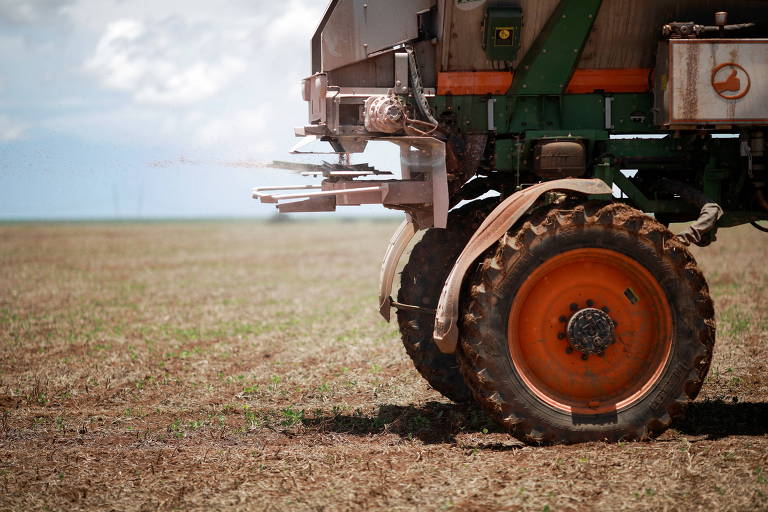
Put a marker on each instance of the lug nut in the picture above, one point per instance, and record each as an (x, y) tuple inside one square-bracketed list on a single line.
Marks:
[(561, 335), (605, 309), (584, 357), (574, 306), (563, 319), (569, 349), (590, 302)]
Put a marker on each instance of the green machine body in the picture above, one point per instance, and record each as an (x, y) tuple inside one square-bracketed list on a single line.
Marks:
[(502, 32)]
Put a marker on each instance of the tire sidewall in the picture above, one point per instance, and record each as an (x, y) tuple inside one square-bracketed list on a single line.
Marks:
[(421, 282), (639, 419)]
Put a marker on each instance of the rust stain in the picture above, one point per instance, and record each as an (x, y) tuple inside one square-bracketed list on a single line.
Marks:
[(690, 94), (731, 106)]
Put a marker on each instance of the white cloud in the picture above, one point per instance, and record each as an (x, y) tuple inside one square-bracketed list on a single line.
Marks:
[(10, 130), (170, 63), (295, 24), (210, 80), (227, 84), (25, 12), (94, 15)]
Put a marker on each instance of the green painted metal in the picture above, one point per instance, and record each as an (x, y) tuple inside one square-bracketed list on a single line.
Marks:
[(502, 32), (536, 108), (549, 63), (646, 204), (632, 113)]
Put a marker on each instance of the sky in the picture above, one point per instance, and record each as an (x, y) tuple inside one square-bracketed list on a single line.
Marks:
[(151, 109)]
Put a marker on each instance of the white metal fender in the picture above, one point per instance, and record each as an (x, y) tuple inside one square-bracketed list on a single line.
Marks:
[(397, 245), (498, 222)]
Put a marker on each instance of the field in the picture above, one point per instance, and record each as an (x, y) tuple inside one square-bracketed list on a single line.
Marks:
[(243, 365)]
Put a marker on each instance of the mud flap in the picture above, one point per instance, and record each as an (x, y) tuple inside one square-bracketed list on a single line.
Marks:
[(397, 245), (498, 222)]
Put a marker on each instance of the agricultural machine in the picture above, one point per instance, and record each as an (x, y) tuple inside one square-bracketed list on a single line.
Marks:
[(545, 147)]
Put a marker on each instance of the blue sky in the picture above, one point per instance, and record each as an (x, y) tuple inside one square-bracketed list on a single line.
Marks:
[(132, 108)]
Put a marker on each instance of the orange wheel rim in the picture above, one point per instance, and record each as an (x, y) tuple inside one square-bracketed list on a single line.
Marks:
[(557, 331)]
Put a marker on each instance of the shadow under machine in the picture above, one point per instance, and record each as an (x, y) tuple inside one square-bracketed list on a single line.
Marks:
[(545, 148)]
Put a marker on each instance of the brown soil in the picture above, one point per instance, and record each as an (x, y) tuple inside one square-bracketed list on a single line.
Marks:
[(185, 366)]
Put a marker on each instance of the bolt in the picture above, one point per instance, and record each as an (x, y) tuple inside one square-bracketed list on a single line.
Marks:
[(605, 309), (590, 303), (569, 349), (584, 357), (574, 306), (561, 335), (563, 319)]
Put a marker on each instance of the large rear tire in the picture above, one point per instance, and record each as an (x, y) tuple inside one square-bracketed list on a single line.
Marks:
[(590, 323), (421, 281)]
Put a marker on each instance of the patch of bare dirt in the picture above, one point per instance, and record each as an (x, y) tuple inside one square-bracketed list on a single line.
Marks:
[(198, 366)]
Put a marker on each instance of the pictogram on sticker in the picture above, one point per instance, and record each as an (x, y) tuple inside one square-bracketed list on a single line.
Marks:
[(730, 81)]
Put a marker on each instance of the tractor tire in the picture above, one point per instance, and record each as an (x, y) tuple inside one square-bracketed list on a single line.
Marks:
[(588, 323), (421, 282)]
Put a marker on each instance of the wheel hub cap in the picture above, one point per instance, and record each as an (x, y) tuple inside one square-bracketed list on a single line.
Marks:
[(590, 331)]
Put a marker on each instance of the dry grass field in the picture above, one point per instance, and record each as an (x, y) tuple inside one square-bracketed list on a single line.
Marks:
[(243, 366)]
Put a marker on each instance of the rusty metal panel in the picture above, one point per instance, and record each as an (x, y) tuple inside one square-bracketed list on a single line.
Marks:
[(626, 31), (378, 71), (359, 28), (315, 91), (718, 81), (624, 35)]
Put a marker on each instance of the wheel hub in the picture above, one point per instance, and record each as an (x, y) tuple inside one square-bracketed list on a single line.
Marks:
[(590, 331)]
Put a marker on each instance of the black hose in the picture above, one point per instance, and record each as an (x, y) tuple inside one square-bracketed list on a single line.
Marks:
[(418, 90), (702, 231), (758, 226)]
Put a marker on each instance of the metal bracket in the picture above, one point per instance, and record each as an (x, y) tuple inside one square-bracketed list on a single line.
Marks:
[(401, 73), (408, 307), (609, 112)]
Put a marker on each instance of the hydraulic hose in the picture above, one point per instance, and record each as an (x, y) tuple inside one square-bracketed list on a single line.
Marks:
[(418, 90), (702, 231)]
